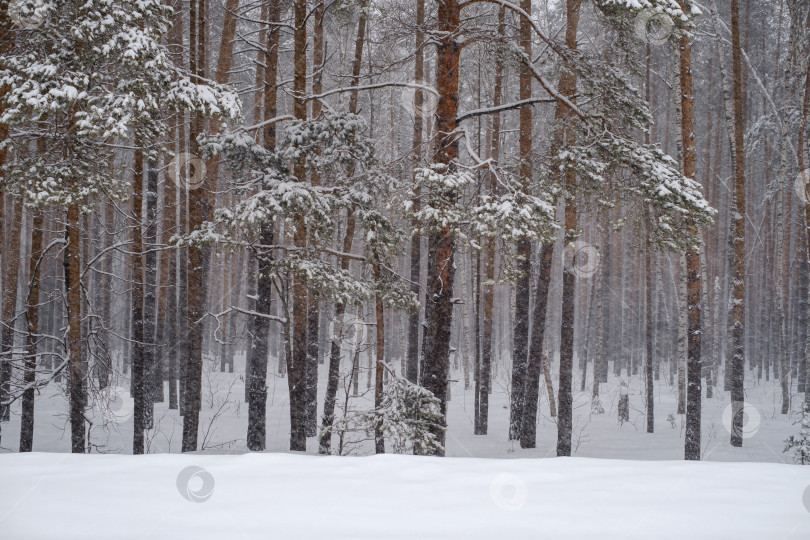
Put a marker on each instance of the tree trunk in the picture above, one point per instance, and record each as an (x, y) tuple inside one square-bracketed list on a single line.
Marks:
[(32, 318), (528, 427), (297, 368), (197, 256), (737, 364), (693, 274), (11, 270), (441, 241), (412, 361), (524, 248), (568, 87), (139, 360), (73, 282), (379, 440), (258, 349), (484, 381)]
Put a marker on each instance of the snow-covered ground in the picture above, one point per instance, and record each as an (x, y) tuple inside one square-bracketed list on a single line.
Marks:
[(224, 422), (48, 495)]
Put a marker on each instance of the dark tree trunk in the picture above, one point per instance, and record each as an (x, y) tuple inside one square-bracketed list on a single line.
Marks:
[(567, 87), (737, 363), (73, 282), (32, 318), (528, 428), (197, 256), (441, 241)]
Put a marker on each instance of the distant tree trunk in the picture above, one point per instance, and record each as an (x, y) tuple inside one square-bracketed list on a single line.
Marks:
[(683, 321), (379, 440), (441, 241), (73, 282), (648, 309), (568, 87), (520, 341), (412, 362), (693, 274), (32, 318), (335, 352), (804, 163), (737, 365)]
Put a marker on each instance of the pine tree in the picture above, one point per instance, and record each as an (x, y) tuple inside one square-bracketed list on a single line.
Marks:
[(111, 81), (801, 444)]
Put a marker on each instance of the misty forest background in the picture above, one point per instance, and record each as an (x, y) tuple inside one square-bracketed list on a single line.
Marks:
[(377, 208)]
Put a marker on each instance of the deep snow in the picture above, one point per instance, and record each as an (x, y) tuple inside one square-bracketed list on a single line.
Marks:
[(46, 496)]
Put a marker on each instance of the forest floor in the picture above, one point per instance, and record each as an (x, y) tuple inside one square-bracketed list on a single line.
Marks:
[(224, 422), (201, 496)]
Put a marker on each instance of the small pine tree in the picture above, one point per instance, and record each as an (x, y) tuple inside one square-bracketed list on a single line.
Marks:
[(407, 414), (801, 444)]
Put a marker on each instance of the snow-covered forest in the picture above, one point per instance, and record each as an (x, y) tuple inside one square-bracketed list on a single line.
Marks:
[(462, 228)]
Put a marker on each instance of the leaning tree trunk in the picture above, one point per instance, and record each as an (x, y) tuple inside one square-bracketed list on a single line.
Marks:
[(335, 351)]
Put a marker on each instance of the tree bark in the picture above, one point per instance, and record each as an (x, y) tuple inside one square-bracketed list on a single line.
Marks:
[(197, 256), (528, 427), (737, 363), (568, 87), (412, 360), (11, 270), (441, 241), (524, 248), (297, 368), (138, 360), (693, 275), (74, 290), (32, 318)]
